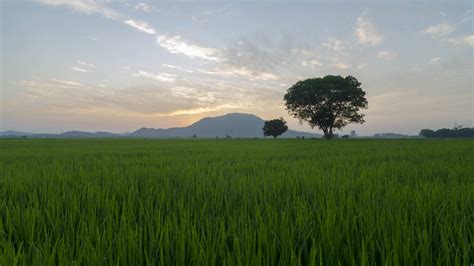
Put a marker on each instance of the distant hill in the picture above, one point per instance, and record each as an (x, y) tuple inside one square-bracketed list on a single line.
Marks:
[(81, 134), (235, 125), (67, 134), (390, 135), (13, 133)]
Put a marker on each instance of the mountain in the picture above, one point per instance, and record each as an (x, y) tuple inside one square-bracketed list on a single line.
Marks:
[(81, 134), (13, 133), (235, 125), (67, 134)]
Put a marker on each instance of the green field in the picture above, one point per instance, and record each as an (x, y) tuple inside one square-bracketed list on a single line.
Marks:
[(237, 202)]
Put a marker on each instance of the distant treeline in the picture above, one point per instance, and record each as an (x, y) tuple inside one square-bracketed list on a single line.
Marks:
[(467, 132)]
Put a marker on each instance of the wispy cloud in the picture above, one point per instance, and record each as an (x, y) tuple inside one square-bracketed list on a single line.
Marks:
[(95, 39), (207, 14), (176, 45), (178, 68), (302, 52), (386, 55), (435, 59), (184, 97), (85, 6), (467, 40), (142, 26), (78, 69), (202, 110), (164, 77), (366, 31), (243, 72), (334, 45), (85, 64), (144, 7), (342, 65), (312, 63), (199, 19), (67, 82), (45, 87), (440, 30)]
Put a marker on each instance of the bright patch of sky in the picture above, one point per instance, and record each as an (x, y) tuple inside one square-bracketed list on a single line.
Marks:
[(118, 66)]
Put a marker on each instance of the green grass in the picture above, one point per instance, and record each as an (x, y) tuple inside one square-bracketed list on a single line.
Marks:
[(237, 202)]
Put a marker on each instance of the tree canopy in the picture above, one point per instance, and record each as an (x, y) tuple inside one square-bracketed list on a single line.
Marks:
[(329, 103), (274, 127), (448, 133)]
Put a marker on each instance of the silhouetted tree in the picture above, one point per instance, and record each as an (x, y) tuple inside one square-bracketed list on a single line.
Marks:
[(274, 127), (427, 133), (329, 103), (456, 132)]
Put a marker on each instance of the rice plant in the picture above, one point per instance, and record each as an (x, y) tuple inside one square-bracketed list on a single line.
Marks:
[(236, 202)]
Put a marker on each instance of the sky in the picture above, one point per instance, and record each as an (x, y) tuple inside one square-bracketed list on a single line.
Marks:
[(118, 66)]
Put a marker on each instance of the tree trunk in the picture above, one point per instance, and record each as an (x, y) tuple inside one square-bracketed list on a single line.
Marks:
[(326, 134)]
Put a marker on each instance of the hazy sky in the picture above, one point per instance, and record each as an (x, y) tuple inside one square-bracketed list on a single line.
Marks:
[(121, 65)]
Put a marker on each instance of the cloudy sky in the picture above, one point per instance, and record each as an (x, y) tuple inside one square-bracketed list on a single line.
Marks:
[(121, 65)]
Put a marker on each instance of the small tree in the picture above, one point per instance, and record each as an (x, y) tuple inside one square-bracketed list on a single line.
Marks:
[(274, 127), (427, 133), (329, 103)]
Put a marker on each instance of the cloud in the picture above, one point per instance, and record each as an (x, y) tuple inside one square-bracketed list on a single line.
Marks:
[(334, 45), (164, 77), (386, 55), (258, 59), (199, 19), (85, 64), (66, 82), (44, 87), (144, 7), (469, 40), (142, 26), (242, 71), (342, 65), (80, 69), (178, 68), (439, 30), (435, 59), (184, 97), (311, 63), (366, 32), (176, 45), (302, 52), (203, 110), (95, 39), (84, 6)]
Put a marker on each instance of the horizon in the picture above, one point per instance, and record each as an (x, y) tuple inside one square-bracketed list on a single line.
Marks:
[(118, 66), (192, 123)]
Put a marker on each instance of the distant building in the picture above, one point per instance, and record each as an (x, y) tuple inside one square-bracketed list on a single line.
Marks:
[(353, 134)]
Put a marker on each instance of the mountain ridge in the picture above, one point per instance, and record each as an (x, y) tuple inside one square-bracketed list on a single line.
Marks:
[(238, 125)]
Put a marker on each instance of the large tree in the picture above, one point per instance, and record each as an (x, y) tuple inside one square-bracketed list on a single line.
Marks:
[(328, 103), (274, 127)]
